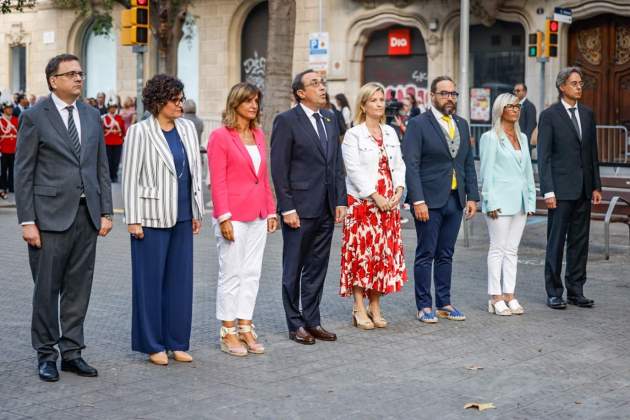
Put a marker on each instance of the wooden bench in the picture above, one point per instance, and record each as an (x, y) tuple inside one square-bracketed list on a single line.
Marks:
[(614, 208)]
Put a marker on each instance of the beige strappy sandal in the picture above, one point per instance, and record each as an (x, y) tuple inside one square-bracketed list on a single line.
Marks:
[(256, 348), (239, 351)]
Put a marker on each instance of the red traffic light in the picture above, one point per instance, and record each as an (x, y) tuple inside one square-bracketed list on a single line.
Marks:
[(553, 25), (141, 3)]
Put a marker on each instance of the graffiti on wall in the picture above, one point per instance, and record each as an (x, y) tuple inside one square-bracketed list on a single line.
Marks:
[(421, 93), (255, 70)]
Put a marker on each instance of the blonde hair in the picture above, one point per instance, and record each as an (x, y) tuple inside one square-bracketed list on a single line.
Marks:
[(240, 93), (499, 105), (364, 95)]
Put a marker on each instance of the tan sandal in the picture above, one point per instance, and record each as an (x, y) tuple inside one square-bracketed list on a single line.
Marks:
[(239, 351), (361, 324), (255, 348), (160, 359), (379, 322), (182, 356)]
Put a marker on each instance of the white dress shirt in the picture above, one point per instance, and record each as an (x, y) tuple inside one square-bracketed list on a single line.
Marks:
[(61, 105), (566, 106)]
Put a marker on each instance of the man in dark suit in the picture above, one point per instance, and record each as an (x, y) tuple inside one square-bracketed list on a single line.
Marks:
[(63, 198), (527, 120), (21, 104), (308, 175), (441, 183), (569, 180)]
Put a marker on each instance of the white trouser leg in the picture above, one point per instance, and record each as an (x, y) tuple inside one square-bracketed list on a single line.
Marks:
[(510, 251), (250, 267), (230, 255)]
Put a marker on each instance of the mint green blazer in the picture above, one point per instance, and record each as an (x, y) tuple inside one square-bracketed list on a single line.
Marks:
[(507, 181)]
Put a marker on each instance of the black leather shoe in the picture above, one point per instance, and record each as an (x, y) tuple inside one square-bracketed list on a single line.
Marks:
[(321, 334), (78, 366), (48, 371), (556, 303), (301, 336), (581, 301)]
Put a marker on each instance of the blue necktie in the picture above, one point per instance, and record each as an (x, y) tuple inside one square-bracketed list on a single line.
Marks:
[(575, 122), (321, 133)]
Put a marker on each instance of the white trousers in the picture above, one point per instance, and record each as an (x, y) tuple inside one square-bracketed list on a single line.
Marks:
[(240, 264), (505, 236)]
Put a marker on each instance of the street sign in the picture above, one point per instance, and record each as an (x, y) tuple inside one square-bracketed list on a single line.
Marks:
[(318, 51), (563, 14)]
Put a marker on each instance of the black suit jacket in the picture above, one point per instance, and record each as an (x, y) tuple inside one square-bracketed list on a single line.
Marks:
[(49, 173), (306, 177), (430, 165), (527, 120), (566, 165)]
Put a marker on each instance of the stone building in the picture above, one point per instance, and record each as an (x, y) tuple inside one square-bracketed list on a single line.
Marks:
[(227, 44)]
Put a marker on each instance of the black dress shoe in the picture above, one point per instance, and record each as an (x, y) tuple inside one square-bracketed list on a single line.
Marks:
[(581, 301), (48, 371), (321, 334), (78, 366), (301, 336), (556, 303)]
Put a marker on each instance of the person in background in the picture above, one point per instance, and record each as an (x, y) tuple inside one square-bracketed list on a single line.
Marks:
[(114, 129), (422, 107), (21, 104), (392, 107), (527, 119), (190, 113), (100, 103), (414, 108), (344, 108), (163, 204), (128, 111), (372, 258), (402, 118), (508, 196), (32, 100), (244, 212), (338, 116), (8, 139)]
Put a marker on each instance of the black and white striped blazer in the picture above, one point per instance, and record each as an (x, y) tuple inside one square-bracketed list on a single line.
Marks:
[(149, 183)]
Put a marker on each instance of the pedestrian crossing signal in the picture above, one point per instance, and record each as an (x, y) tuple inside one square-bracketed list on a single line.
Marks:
[(534, 48), (135, 23)]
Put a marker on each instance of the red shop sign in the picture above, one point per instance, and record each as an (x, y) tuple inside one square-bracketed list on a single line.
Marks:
[(399, 42)]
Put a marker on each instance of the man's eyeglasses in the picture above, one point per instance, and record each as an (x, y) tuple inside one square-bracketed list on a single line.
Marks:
[(72, 75), (513, 107), (316, 83), (446, 94), (180, 100), (576, 84)]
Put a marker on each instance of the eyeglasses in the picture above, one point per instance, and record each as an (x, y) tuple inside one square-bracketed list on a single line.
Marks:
[(445, 94), (316, 83), (71, 75), (513, 107), (517, 90), (576, 84), (179, 101)]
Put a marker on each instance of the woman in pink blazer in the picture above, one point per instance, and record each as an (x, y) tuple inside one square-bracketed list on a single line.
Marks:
[(244, 212)]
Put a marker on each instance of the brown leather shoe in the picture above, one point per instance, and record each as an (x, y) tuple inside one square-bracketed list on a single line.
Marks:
[(321, 334), (301, 336)]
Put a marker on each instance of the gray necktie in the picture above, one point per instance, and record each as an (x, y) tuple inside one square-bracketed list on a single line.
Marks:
[(72, 131), (575, 122), (321, 132)]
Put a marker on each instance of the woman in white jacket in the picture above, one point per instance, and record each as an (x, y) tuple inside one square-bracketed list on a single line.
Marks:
[(372, 260)]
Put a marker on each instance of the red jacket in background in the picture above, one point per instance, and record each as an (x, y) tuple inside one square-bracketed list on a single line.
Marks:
[(8, 134), (114, 129)]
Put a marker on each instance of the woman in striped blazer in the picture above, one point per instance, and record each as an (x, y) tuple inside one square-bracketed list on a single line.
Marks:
[(163, 209)]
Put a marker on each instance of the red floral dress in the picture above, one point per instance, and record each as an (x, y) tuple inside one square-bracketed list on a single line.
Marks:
[(372, 252)]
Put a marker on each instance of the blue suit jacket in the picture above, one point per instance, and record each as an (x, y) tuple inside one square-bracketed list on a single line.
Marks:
[(507, 182), (306, 177), (430, 165)]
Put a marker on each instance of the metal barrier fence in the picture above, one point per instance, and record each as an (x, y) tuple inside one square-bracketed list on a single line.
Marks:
[(613, 143)]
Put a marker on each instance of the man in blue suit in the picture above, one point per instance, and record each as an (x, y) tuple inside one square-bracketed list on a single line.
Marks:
[(441, 182), (308, 175)]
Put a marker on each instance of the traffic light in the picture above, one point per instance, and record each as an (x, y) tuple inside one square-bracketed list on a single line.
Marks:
[(535, 44), (135, 23), (551, 37)]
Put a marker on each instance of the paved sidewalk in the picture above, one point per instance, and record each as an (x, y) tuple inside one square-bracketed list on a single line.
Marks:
[(546, 364)]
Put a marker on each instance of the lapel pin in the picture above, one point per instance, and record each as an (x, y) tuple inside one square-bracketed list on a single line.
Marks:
[(327, 119)]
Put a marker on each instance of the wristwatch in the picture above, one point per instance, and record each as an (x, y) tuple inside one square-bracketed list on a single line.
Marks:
[(107, 216)]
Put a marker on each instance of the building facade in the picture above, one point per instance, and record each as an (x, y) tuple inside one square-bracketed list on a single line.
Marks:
[(226, 43)]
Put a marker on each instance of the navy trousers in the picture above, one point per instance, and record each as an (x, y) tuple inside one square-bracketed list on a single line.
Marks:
[(162, 277), (436, 245), (305, 255)]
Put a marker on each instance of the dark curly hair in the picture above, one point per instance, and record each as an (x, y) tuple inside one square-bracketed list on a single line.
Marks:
[(160, 89)]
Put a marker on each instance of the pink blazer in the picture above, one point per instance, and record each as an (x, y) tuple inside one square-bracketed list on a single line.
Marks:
[(238, 192)]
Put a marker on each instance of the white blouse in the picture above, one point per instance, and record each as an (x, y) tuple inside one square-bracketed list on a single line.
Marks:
[(254, 153)]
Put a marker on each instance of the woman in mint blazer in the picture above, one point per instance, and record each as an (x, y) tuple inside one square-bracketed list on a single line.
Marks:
[(508, 196)]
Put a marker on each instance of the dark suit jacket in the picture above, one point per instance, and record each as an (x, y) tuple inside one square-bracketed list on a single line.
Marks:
[(306, 177), (527, 120), (430, 165), (567, 166), (49, 174)]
